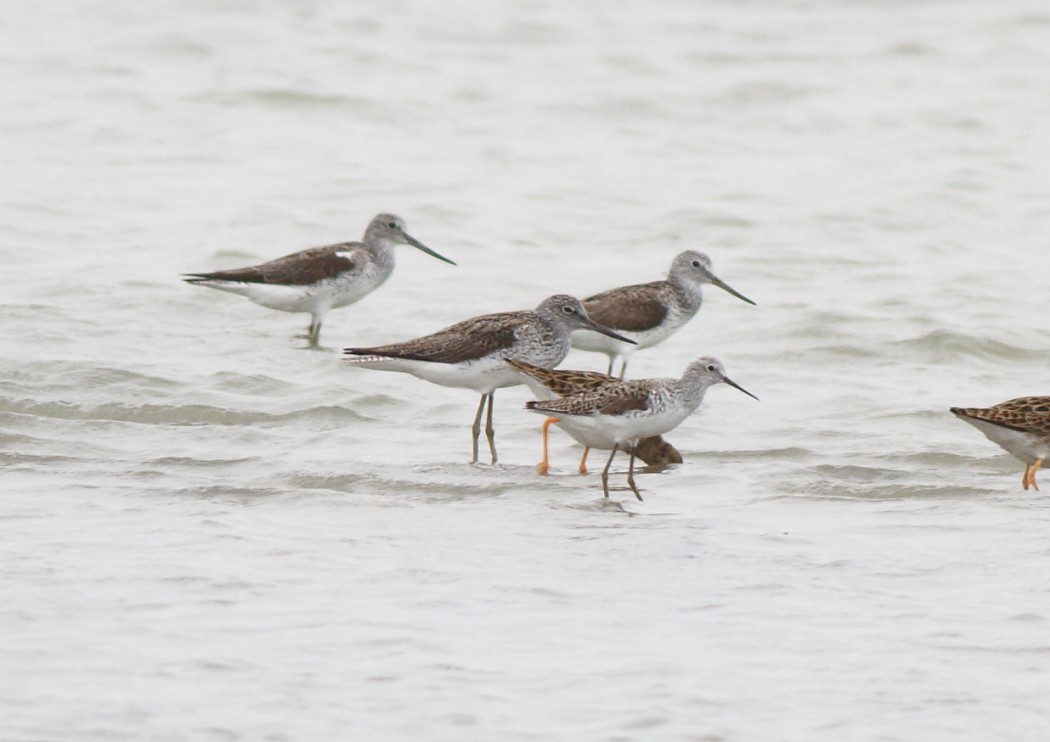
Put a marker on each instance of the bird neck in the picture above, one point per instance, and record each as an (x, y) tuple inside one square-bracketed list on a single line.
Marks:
[(688, 293), (558, 331), (692, 389), (383, 252)]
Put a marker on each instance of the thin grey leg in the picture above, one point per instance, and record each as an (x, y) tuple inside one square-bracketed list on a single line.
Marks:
[(490, 432), (475, 430), (605, 472), (630, 477), (313, 334), (623, 368), (608, 371)]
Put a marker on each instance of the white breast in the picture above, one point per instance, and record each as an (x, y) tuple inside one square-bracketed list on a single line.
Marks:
[(1028, 447), (483, 375)]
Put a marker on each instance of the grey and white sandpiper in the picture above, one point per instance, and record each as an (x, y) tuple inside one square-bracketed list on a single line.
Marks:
[(551, 383), (649, 313), (1021, 426), (620, 415), (320, 278), (472, 354)]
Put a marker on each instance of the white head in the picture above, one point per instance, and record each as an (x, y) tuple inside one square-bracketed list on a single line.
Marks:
[(692, 268), (569, 311), (708, 371), (390, 230)]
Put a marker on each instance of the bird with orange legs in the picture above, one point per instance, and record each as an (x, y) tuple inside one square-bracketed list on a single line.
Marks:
[(618, 415), (552, 383), (1020, 426)]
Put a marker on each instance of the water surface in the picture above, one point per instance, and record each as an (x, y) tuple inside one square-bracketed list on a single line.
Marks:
[(212, 532)]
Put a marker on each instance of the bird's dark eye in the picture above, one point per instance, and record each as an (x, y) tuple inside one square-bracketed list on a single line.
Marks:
[(696, 263), (569, 310), (710, 367), (392, 225)]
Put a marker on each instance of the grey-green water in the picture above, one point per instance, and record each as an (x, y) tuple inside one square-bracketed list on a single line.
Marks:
[(208, 531)]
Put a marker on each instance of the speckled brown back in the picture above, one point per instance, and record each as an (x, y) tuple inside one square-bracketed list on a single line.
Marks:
[(1029, 414), (564, 381), (465, 341), (653, 451), (298, 269), (611, 399), (631, 308)]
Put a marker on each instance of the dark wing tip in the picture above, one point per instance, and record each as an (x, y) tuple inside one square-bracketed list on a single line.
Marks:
[(376, 352)]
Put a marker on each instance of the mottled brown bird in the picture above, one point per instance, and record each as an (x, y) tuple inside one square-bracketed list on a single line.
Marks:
[(618, 415), (1021, 426), (653, 451)]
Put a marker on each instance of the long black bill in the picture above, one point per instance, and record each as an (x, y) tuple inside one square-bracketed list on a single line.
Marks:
[(420, 246), (733, 384), (726, 287), (590, 324)]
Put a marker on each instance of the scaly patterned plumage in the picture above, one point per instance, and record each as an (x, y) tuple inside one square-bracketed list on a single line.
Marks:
[(649, 313), (318, 279), (1020, 426), (655, 451), (561, 382), (472, 354), (619, 415)]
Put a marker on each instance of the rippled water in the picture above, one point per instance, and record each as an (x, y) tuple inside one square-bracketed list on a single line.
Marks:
[(211, 532)]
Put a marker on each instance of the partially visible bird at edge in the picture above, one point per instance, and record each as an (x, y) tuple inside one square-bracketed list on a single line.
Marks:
[(1020, 426)]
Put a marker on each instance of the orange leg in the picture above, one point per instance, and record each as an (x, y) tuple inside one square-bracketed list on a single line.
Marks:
[(583, 460), (543, 466), (1024, 477), (1031, 473)]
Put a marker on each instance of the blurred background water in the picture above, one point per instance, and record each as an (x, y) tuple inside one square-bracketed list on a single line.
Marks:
[(212, 532)]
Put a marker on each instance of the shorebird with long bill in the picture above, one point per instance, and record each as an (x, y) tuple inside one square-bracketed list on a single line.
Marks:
[(552, 383), (1020, 426), (472, 354), (649, 313), (617, 416), (318, 279)]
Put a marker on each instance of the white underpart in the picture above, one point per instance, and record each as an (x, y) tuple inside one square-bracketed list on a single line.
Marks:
[(606, 431), (619, 350), (539, 341), (1028, 447), (315, 298), (482, 375)]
